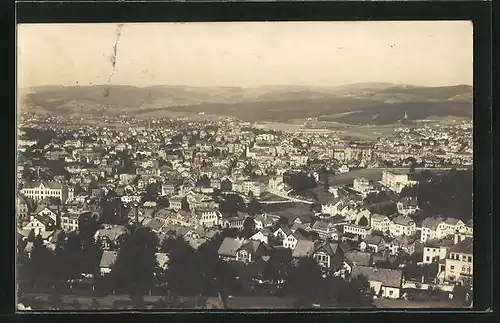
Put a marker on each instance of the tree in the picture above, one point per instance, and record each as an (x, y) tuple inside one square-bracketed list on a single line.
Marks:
[(248, 227), (254, 207), (31, 236), (183, 276), (136, 264), (185, 205), (326, 184), (305, 282), (163, 201), (40, 265), (300, 181), (232, 204), (226, 185)]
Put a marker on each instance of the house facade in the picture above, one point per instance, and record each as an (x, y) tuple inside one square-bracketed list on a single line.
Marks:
[(41, 190), (459, 262), (402, 224)]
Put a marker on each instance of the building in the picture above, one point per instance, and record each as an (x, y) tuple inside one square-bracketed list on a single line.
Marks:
[(262, 235), (432, 228), (374, 243), (175, 203), (435, 250), (380, 223), (239, 249), (359, 230), (394, 181), (290, 242), (402, 224), (329, 255), (40, 223), (407, 206), (234, 222), (385, 282), (361, 184), (23, 208), (459, 262), (41, 190), (454, 225), (69, 221), (167, 189), (208, 217)]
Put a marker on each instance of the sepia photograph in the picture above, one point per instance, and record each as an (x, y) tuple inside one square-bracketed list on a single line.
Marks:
[(244, 165)]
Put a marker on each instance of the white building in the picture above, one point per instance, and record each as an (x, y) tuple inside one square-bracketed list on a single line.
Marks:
[(357, 229), (361, 184), (395, 182), (433, 228), (41, 190), (380, 222), (402, 224), (435, 250)]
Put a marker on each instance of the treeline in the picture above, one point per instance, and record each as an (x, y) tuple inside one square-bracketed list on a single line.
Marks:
[(201, 273), (448, 194)]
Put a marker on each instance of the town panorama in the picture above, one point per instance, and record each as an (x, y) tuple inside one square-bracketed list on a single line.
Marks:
[(213, 212)]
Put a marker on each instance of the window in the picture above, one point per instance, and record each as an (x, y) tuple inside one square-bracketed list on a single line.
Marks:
[(390, 293), (452, 267), (427, 258), (464, 258), (469, 259)]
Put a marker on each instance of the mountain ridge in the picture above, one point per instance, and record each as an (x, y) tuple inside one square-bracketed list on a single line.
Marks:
[(266, 103)]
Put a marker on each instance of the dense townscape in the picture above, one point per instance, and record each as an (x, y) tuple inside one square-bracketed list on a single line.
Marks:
[(215, 212)]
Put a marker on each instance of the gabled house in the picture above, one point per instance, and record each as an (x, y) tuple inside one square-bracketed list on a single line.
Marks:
[(292, 239), (356, 258), (40, 224), (403, 243), (435, 250), (454, 225), (407, 205), (380, 222), (432, 228), (110, 236), (385, 282), (262, 235), (50, 210), (208, 217), (238, 249), (459, 262), (303, 248), (329, 255), (374, 243), (303, 219), (264, 221), (402, 224), (282, 233)]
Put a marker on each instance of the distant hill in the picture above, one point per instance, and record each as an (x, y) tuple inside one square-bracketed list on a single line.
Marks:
[(372, 103)]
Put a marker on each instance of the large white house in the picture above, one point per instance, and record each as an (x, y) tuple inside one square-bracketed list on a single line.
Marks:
[(402, 224), (41, 190), (433, 228), (394, 181), (380, 222)]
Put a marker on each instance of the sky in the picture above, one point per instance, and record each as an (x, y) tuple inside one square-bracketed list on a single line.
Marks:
[(428, 53)]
